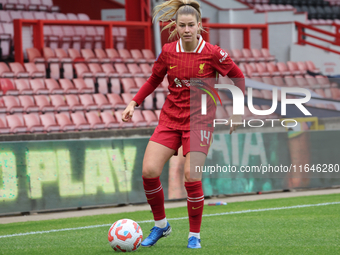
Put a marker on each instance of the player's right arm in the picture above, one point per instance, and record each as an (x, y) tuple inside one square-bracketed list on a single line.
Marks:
[(158, 72)]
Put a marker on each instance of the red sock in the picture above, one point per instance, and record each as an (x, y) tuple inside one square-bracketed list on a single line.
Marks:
[(195, 204), (155, 196)]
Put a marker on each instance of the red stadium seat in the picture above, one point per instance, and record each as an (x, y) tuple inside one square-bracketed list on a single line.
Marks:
[(44, 103), (248, 55), (311, 67), (89, 56), (323, 81), (49, 122), (38, 87), (4, 129), (160, 100), (63, 120), (58, 101), (273, 70), (32, 121), (23, 87), (115, 86), (129, 85), (28, 103), (68, 86), (262, 69), (237, 55), (267, 55), (94, 119), (290, 81), (79, 120), (283, 69), (12, 104), (109, 120), (257, 54), (34, 72), (125, 55), (113, 55), (150, 117), (138, 56), (122, 70), (87, 101), (3, 108), (127, 97), (53, 86), (311, 80), (82, 71), (82, 86), (16, 124), (5, 72), (101, 55), (73, 102), (158, 113), (50, 6), (301, 81), (138, 119), (7, 87), (102, 102), (259, 79), (149, 56), (146, 69), (293, 68), (109, 70), (19, 70), (268, 80), (64, 60), (135, 70), (278, 81), (116, 101)]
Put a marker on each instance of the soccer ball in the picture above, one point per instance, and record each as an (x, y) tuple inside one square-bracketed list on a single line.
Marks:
[(125, 235)]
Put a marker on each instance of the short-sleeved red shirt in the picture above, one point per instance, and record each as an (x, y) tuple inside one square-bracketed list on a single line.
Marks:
[(205, 62)]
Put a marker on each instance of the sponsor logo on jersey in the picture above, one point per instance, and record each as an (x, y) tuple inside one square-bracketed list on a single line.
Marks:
[(201, 71), (172, 67), (224, 55), (178, 82)]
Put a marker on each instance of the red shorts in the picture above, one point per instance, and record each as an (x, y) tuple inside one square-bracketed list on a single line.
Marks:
[(173, 139)]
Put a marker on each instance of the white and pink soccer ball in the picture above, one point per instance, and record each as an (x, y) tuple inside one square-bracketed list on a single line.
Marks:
[(125, 235)]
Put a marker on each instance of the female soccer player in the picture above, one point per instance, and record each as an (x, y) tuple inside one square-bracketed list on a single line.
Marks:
[(189, 57)]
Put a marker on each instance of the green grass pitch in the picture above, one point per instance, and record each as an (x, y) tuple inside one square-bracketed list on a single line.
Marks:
[(306, 230)]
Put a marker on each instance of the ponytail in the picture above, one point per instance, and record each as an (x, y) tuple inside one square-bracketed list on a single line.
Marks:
[(175, 8)]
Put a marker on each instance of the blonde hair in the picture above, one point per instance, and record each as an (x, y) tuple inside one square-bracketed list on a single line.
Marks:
[(175, 8)]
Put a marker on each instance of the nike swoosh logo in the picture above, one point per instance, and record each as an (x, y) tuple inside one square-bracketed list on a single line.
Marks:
[(202, 145), (171, 67), (196, 207), (150, 198), (167, 232)]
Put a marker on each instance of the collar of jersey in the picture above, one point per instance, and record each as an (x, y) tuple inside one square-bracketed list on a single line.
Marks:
[(199, 48)]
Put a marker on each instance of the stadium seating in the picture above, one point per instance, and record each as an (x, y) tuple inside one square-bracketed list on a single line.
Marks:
[(75, 84)]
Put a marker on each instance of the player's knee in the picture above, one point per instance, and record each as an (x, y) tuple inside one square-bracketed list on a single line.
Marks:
[(192, 177), (150, 171)]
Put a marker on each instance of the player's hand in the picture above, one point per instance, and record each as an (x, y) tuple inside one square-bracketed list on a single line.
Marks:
[(234, 119), (128, 112)]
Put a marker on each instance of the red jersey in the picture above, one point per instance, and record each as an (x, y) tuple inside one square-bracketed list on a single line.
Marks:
[(206, 61)]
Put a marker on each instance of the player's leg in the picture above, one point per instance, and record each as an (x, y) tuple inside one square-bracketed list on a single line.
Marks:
[(195, 199), (195, 146), (163, 144), (156, 155)]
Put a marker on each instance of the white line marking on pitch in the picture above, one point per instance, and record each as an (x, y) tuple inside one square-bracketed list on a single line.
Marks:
[(181, 218)]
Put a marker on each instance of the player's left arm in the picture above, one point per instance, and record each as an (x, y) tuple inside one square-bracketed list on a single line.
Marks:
[(226, 66)]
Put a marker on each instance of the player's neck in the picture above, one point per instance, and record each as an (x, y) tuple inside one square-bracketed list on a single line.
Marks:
[(190, 46)]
